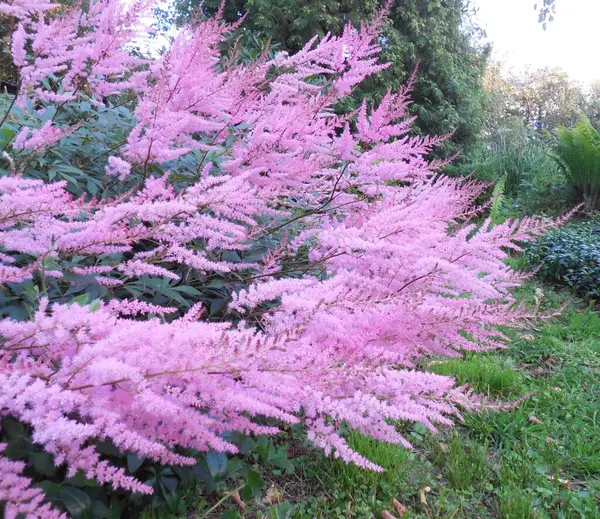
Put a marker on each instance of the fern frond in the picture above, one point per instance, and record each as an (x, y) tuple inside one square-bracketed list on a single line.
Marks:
[(498, 199)]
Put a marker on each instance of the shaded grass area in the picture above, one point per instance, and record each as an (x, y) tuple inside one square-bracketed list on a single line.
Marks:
[(540, 460)]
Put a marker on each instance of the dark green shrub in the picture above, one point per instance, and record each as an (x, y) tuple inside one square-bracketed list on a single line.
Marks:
[(571, 256)]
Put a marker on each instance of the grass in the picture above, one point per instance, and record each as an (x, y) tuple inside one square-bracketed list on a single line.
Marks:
[(540, 460)]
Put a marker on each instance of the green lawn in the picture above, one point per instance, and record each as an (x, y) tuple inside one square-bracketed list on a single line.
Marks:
[(541, 460)]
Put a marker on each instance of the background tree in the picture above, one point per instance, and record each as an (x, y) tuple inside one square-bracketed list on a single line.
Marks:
[(441, 38), (537, 100), (593, 105), (550, 98)]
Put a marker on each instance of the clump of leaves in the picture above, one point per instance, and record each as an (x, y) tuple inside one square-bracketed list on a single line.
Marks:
[(86, 498), (577, 153), (571, 256)]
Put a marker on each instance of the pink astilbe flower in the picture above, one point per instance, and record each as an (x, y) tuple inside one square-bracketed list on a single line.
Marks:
[(341, 254), (42, 220), (39, 138), (80, 47), (18, 46), (118, 167), (25, 9), (21, 499)]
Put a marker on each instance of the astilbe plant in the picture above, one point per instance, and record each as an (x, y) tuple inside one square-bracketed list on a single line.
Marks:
[(371, 263)]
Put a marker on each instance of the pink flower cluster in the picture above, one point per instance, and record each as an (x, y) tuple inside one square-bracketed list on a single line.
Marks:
[(392, 269)]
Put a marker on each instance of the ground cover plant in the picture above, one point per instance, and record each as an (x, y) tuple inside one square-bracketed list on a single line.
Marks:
[(194, 251), (571, 257)]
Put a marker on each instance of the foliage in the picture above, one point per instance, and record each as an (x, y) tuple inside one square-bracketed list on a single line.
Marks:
[(441, 39), (571, 256), (577, 152), (193, 248), (534, 185), (498, 201), (489, 374)]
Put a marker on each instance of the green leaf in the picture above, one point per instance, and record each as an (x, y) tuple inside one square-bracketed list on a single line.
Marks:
[(50, 489), (186, 289), (134, 462), (217, 464), (79, 480), (202, 472), (232, 513), (247, 445), (101, 511), (255, 483), (19, 449), (76, 501), (168, 484), (81, 300), (13, 428), (231, 256), (186, 474), (217, 305), (278, 457), (95, 305), (6, 134), (284, 510), (43, 463), (107, 447)]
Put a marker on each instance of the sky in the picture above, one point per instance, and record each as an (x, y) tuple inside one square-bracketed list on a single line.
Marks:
[(569, 42)]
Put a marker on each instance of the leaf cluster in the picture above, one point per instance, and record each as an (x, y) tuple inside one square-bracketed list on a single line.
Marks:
[(571, 257)]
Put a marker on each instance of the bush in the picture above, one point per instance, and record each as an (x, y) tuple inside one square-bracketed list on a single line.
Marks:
[(577, 152), (519, 160), (571, 256), (534, 185), (193, 250)]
